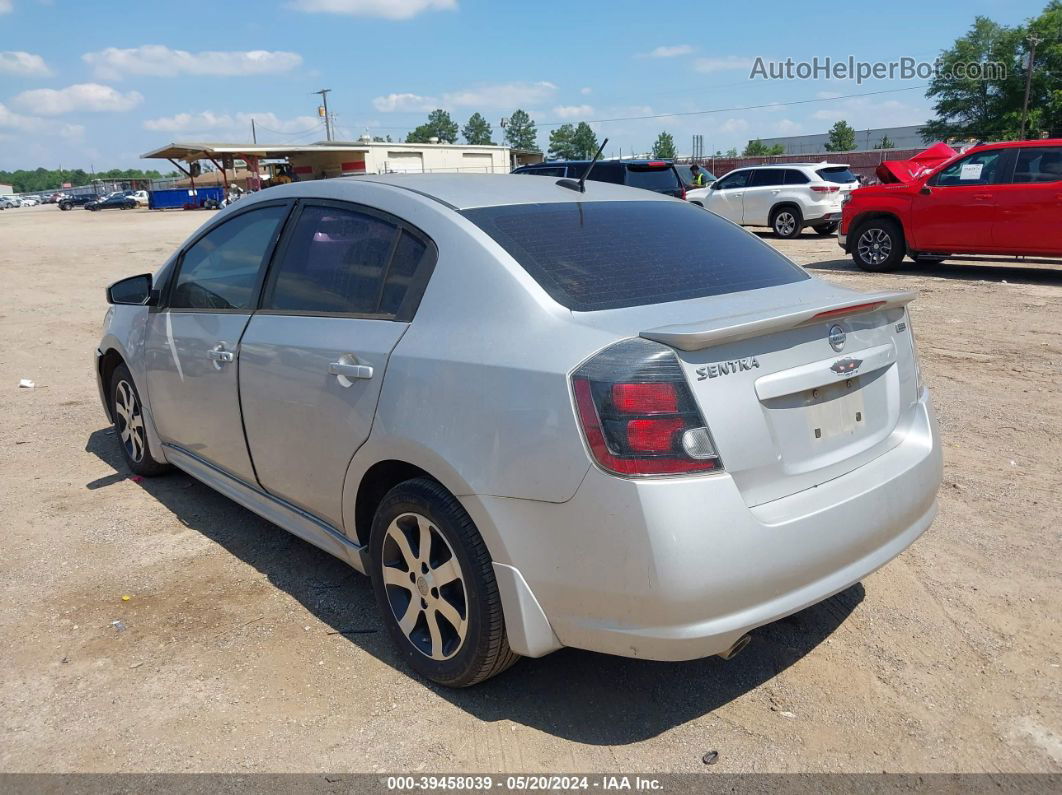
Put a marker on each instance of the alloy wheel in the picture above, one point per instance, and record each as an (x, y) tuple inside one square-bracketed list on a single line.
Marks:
[(425, 586), (784, 223), (129, 420), (874, 246)]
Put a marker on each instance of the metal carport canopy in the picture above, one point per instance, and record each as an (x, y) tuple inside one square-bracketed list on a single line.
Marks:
[(190, 152)]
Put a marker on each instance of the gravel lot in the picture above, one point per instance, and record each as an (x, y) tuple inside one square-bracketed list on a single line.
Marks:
[(244, 648)]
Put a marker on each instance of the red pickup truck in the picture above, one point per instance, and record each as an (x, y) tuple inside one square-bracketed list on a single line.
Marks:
[(1002, 198)]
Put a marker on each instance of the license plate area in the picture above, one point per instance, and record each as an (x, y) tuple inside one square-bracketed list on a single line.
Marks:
[(835, 410)]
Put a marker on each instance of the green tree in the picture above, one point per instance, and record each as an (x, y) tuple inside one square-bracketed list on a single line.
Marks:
[(732, 152), (664, 146), (1045, 97), (521, 132), (886, 143), (562, 143), (41, 179), (477, 131), (584, 141), (439, 125), (842, 137), (757, 148)]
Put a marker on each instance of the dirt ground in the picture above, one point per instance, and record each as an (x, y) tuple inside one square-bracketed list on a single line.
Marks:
[(229, 655)]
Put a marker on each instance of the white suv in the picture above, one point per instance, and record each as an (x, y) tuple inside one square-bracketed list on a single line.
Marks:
[(785, 196)]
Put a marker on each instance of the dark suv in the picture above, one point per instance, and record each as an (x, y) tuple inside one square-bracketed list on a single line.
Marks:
[(655, 175), (70, 202)]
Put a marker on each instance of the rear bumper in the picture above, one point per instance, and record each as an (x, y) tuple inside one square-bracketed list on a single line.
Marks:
[(677, 569)]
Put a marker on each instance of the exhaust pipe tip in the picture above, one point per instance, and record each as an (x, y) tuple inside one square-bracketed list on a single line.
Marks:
[(737, 648)]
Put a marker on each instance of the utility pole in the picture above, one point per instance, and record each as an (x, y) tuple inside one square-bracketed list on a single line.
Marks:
[(254, 135), (1033, 41), (328, 119)]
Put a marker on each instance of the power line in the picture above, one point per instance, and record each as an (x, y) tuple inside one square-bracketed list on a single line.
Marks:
[(737, 108)]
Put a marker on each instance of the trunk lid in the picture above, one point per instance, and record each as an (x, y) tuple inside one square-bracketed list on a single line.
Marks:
[(787, 409)]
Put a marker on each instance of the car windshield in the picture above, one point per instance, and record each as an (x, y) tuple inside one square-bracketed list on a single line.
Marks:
[(838, 174), (607, 255)]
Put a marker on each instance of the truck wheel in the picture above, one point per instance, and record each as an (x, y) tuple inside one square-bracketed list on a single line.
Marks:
[(878, 246), (435, 587), (787, 222)]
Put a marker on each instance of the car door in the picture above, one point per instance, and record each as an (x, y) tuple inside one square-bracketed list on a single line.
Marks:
[(1030, 204), (956, 209), (193, 339), (726, 194), (761, 195), (338, 298)]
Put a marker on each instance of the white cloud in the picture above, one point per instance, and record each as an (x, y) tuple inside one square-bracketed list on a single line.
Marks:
[(733, 126), (72, 131), (80, 97), (586, 91), (16, 62), (572, 111), (240, 123), (5, 6), (157, 60), (16, 121), (500, 95), (668, 51), (863, 113), (788, 127), (726, 63), (388, 9), (404, 102)]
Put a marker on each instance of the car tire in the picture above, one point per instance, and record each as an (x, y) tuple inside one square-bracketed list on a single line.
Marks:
[(127, 409), (451, 632), (824, 230), (786, 222), (877, 245), (64, 207)]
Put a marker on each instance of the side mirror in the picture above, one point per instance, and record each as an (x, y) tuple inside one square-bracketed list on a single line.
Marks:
[(135, 290)]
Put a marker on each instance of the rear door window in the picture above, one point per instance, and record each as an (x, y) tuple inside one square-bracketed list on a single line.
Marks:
[(221, 269), (345, 261), (766, 177), (607, 255), (839, 174), (794, 177), (1040, 164)]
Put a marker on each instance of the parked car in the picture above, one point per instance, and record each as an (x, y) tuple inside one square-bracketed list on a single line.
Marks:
[(1003, 198), (786, 196), (116, 201), (535, 417), (8, 203), (659, 176), (80, 200), (30, 201)]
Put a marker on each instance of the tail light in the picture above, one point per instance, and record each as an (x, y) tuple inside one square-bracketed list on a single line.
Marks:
[(683, 196), (825, 188), (638, 414)]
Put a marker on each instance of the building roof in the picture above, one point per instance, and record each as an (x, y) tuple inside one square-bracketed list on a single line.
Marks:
[(198, 150), (204, 151)]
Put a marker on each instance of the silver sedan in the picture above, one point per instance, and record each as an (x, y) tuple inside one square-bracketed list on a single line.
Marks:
[(536, 417)]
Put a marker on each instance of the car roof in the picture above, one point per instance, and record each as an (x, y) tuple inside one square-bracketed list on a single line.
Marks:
[(464, 191), (630, 161), (823, 164), (1015, 144)]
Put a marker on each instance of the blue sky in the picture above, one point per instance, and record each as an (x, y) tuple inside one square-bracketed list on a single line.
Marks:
[(99, 83)]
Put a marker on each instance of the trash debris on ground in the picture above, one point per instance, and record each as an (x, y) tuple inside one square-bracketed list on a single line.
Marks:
[(136, 478), (351, 632), (118, 625), (25, 383), (710, 758), (126, 597)]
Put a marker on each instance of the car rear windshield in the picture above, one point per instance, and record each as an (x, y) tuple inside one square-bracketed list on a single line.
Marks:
[(839, 174), (607, 255), (652, 177)]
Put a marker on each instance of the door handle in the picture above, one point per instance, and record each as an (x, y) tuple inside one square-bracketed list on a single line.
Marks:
[(219, 354), (350, 370)]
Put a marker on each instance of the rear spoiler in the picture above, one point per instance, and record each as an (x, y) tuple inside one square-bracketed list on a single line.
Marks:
[(716, 331)]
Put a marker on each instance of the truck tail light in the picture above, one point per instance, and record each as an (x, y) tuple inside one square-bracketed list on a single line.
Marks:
[(638, 414), (825, 188)]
